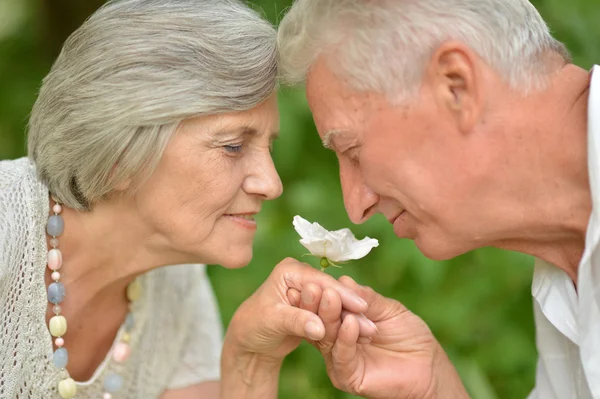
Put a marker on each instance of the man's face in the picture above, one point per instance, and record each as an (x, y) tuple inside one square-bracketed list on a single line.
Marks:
[(411, 163)]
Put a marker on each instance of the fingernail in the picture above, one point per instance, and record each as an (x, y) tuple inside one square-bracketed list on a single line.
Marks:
[(307, 297), (361, 301), (312, 330), (373, 325)]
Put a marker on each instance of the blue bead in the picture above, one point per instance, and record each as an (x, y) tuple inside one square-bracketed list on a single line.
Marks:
[(113, 382), (56, 225), (61, 358), (129, 321), (56, 293)]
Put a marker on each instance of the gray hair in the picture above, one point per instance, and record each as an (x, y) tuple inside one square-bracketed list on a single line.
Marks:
[(128, 77), (384, 45)]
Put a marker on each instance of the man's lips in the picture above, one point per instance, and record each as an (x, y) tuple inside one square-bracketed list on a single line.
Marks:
[(392, 219)]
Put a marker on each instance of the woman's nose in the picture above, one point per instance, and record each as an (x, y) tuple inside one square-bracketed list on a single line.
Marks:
[(263, 180)]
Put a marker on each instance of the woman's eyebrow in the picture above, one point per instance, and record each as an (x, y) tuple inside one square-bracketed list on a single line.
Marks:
[(244, 131)]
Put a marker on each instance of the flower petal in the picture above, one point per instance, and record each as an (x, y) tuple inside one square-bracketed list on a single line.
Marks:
[(359, 249), (309, 230), (316, 247), (338, 246)]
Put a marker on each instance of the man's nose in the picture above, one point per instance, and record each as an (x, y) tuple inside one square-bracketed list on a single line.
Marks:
[(360, 201)]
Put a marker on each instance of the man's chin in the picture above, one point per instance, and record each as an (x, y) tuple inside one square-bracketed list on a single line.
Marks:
[(438, 250)]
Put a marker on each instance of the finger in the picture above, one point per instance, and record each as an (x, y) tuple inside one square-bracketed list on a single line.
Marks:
[(350, 283), (293, 296), (311, 298), (296, 275), (380, 307), (288, 320), (344, 352), (330, 312), (364, 292), (366, 326)]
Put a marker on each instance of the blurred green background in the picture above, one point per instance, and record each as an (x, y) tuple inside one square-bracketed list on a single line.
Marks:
[(478, 305)]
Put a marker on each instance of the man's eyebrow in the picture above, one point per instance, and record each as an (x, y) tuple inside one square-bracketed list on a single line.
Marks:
[(328, 138)]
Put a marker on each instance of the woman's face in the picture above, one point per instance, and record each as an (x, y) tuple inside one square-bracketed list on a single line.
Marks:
[(210, 183)]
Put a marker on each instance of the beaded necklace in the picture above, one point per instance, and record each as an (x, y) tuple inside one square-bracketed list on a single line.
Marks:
[(67, 388)]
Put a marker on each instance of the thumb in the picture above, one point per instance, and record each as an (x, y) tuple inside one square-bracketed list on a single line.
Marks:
[(299, 323), (345, 359)]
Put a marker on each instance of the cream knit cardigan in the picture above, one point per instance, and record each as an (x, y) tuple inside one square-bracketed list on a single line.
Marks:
[(177, 339)]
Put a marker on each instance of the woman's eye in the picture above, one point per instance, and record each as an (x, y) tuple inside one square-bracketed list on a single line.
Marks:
[(233, 148)]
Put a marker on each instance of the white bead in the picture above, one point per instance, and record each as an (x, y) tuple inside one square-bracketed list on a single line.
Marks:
[(54, 259), (57, 208), (54, 242), (56, 309), (107, 395), (55, 276)]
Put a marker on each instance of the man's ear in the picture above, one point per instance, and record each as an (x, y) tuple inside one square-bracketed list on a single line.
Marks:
[(453, 72)]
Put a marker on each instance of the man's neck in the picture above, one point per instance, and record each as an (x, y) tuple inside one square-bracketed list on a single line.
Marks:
[(554, 203)]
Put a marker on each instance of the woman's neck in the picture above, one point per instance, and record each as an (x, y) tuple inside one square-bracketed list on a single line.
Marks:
[(104, 250)]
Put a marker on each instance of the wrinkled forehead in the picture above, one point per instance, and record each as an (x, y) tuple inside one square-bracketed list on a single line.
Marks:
[(334, 106)]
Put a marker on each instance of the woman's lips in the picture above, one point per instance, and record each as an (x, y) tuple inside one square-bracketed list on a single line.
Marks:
[(245, 220)]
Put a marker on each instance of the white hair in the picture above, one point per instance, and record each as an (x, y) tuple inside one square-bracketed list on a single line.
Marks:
[(384, 45), (128, 77)]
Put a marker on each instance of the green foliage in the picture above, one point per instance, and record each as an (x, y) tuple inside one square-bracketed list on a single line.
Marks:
[(478, 305)]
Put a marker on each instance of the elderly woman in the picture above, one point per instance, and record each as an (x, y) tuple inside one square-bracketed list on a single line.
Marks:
[(149, 145)]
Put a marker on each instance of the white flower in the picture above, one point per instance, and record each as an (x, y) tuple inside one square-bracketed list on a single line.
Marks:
[(336, 246)]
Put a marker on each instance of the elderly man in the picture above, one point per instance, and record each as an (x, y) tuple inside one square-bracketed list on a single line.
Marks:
[(466, 125)]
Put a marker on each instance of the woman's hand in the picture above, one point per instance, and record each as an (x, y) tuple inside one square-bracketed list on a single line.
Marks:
[(402, 361), (267, 327)]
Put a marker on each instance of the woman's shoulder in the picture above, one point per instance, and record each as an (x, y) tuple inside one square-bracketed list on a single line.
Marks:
[(20, 191), (21, 207), (17, 178), (178, 291), (181, 279)]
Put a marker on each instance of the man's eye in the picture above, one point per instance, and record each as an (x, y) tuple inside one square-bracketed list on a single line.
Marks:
[(233, 148), (353, 155)]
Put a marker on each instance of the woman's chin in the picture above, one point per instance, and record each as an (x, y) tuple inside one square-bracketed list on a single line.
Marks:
[(236, 262)]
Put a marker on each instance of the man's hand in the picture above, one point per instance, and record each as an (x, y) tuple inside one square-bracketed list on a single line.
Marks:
[(402, 361)]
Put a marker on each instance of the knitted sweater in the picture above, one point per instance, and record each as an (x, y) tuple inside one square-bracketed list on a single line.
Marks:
[(177, 339)]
